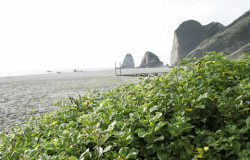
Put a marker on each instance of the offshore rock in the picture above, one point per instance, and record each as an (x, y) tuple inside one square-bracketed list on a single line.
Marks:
[(128, 61), (150, 60)]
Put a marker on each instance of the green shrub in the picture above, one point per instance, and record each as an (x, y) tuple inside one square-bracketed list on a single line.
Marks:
[(200, 111)]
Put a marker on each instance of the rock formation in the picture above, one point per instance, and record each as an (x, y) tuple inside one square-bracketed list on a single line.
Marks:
[(150, 60), (233, 39), (237, 54), (128, 62), (189, 35), (193, 40)]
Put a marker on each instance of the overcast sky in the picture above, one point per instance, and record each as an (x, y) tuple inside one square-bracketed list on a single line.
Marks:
[(56, 34)]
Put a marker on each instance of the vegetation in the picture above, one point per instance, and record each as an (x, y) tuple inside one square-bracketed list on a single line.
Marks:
[(200, 111)]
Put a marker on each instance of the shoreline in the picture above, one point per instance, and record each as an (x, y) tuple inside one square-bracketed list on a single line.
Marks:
[(43, 72)]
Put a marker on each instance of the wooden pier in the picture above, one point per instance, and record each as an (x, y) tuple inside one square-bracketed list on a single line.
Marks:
[(141, 72)]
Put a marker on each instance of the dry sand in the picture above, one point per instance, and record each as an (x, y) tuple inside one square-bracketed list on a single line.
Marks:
[(21, 96)]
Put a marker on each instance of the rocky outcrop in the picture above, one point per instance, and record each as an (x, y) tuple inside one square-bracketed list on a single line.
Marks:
[(150, 60), (231, 39), (237, 54), (194, 40), (189, 35), (128, 62)]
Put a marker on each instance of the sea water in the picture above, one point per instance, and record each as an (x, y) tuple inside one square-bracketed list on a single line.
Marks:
[(35, 72)]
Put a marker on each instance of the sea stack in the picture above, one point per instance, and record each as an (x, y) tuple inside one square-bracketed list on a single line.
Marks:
[(150, 60), (128, 61)]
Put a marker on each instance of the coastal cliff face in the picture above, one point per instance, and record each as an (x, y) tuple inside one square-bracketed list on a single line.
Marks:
[(191, 39), (189, 35), (128, 62), (237, 54), (150, 60)]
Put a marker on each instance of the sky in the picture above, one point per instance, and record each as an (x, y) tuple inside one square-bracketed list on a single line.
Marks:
[(62, 34)]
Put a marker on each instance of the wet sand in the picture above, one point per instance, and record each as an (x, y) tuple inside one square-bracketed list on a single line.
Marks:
[(21, 96)]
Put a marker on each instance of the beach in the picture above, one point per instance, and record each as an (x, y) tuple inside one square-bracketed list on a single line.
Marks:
[(22, 96)]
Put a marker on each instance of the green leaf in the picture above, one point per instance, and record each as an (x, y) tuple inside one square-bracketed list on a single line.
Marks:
[(51, 146), (107, 148), (135, 115), (111, 126), (236, 145), (201, 106), (85, 155), (142, 133), (28, 151), (99, 151), (162, 155), (159, 138), (156, 117), (248, 122), (129, 138), (132, 155), (123, 151), (160, 125), (71, 150), (154, 147), (203, 96), (231, 128), (243, 130), (174, 96), (186, 126), (154, 108)]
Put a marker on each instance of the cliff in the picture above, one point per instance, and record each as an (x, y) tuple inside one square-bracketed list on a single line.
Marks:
[(189, 35), (191, 39)]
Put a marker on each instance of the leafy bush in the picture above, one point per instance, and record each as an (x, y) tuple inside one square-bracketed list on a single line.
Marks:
[(200, 111)]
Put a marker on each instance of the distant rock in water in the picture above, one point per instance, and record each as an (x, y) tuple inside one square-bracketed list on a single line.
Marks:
[(191, 39), (128, 61), (189, 35), (150, 60), (75, 70)]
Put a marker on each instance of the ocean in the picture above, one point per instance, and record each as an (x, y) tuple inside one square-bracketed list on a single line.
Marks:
[(35, 72)]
